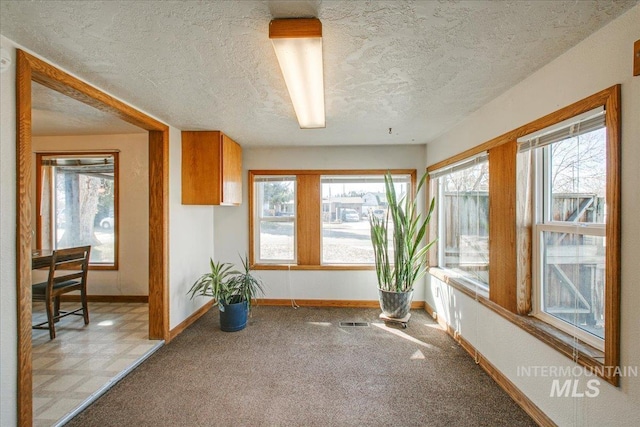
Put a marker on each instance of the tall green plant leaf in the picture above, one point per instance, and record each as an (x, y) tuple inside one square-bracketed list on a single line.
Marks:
[(409, 231)]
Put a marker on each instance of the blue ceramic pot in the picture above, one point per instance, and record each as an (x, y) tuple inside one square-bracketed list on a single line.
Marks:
[(233, 317)]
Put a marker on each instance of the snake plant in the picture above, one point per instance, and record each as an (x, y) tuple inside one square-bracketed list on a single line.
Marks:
[(397, 271)]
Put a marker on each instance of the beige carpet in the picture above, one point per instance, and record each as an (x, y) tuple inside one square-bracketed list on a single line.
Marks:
[(298, 367)]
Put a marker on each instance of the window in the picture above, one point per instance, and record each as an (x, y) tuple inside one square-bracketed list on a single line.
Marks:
[(77, 203), (317, 219), (554, 239), (276, 213), (347, 202), (569, 225), (462, 192)]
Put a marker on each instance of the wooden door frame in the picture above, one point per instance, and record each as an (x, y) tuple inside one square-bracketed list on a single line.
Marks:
[(28, 69)]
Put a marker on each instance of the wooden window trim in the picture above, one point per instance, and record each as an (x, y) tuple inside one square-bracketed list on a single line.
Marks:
[(308, 216), (116, 211), (588, 356), (512, 295)]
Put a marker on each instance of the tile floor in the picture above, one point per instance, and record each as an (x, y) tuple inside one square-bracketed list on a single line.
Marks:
[(82, 361)]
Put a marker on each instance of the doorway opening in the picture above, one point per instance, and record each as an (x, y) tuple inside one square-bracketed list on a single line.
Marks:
[(30, 68)]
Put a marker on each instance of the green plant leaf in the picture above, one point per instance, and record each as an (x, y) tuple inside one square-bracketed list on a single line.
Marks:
[(409, 231)]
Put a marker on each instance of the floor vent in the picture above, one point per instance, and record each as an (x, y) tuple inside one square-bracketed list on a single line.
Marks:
[(352, 324)]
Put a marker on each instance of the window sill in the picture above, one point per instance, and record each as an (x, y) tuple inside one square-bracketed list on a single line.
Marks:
[(337, 267), (450, 277), (103, 267), (587, 356)]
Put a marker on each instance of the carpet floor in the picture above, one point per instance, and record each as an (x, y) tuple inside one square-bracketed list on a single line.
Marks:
[(299, 367)]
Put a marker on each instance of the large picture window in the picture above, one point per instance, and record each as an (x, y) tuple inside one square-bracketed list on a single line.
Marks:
[(462, 192), (347, 202), (77, 204), (317, 218)]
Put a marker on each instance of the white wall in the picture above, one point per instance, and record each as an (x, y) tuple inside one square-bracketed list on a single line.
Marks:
[(602, 60), (8, 313), (132, 276), (190, 240), (231, 223)]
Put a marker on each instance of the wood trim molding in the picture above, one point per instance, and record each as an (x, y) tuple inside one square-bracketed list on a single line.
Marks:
[(309, 223), (23, 237), (290, 28), (502, 220), (636, 58), (62, 82), (107, 298), (327, 267), (514, 392), (334, 172), (116, 200), (613, 231), (572, 110), (327, 303), (562, 342), (189, 320), (159, 235), (28, 69)]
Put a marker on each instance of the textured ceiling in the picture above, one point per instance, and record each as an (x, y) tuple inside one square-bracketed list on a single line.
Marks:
[(417, 67), (53, 113)]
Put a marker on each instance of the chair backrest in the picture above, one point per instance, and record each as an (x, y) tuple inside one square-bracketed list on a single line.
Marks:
[(69, 264)]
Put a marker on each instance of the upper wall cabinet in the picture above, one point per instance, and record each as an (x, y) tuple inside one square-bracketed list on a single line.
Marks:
[(211, 169)]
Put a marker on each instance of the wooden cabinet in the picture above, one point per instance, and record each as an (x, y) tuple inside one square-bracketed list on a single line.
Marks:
[(211, 169)]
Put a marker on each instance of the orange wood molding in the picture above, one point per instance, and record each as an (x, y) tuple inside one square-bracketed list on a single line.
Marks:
[(582, 106), (502, 220), (159, 235), (189, 320), (328, 303), (107, 298), (295, 28), (23, 236), (514, 392), (636, 58), (309, 224)]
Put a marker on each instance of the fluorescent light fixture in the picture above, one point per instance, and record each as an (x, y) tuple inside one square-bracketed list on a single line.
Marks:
[(298, 46)]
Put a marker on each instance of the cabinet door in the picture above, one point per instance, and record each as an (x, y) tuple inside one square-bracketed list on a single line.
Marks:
[(201, 168), (231, 172)]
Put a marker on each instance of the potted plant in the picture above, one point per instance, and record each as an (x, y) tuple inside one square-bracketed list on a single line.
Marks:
[(233, 290), (397, 269)]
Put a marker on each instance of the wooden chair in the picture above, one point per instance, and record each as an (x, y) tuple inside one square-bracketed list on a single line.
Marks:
[(67, 273)]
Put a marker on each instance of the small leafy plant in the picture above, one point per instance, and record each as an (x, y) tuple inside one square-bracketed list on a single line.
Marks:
[(228, 286)]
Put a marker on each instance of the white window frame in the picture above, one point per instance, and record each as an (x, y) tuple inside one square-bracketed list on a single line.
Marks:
[(258, 179), (543, 223), (406, 179), (437, 175)]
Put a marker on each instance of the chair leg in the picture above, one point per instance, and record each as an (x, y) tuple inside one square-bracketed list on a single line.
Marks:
[(85, 306), (56, 309), (50, 317)]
